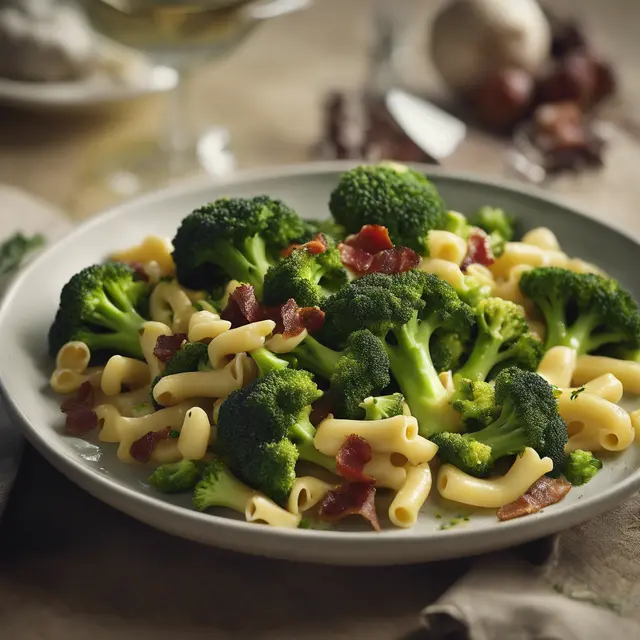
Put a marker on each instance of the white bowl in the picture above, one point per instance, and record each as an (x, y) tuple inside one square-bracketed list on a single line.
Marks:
[(30, 304)]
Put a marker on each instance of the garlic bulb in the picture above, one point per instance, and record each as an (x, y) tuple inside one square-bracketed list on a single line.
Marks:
[(471, 39)]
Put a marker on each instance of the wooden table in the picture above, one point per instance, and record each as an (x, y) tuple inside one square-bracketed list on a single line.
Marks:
[(71, 568)]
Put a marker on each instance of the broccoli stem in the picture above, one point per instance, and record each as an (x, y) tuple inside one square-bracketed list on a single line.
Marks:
[(222, 490), (503, 436), (555, 323), (248, 265), (483, 358), (302, 434), (316, 357), (112, 317), (121, 342), (267, 361), (418, 379)]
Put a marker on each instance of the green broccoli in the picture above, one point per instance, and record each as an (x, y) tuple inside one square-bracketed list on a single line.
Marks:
[(100, 307), (381, 407), (192, 356), (175, 476), (233, 238), (328, 227), (264, 429), (528, 417), (580, 466), (475, 402), (405, 310), (496, 222), (503, 339), (354, 373), (267, 361), (392, 195), (583, 310), (447, 350), (218, 487), (306, 277)]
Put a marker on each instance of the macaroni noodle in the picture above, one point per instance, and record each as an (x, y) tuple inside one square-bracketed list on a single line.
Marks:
[(123, 372), (204, 326), (151, 249), (261, 509), (306, 492), (590, 367), (73, 355), (194, 435), (246, 338), (403, 511)]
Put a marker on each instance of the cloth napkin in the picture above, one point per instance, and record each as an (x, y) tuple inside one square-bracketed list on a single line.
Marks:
[(20, 212)]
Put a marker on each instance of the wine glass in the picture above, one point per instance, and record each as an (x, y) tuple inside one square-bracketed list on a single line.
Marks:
[(177, 35)]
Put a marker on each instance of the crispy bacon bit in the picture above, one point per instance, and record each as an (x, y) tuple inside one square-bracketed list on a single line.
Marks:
[(142, 448), (355, 259), (292, 320), (140, 273), (242, 307), (316, 245), (396, 260), (478, 250), (312, 318), (350, 498), (352, 457), (372, 238), (166, 346), (83, 399), (543, 492), (80, 421)]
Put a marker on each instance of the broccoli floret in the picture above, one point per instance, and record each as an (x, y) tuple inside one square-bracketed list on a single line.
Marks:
[(264, 429), (462, 451), (267, 361), (584, 311), (528, 418), (99, 306), (381, 407), (219, 488), (329, 227), (503, 339), (306, 277), (580, 466), (233, 239), (392, 195), (192, 356), (496, 222), (475, 402), (405, 310), (447, 350), (354, 373), (458, 224), (175, 477)]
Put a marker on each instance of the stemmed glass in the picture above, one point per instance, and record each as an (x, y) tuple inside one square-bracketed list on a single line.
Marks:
[(177, 35)]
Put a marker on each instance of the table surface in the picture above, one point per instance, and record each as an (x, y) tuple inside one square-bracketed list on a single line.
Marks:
[(72, 568)]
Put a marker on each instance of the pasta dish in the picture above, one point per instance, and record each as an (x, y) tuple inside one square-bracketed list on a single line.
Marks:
[(298, 370)]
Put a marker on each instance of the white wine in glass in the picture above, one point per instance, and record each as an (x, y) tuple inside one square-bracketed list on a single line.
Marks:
[(180, 35)]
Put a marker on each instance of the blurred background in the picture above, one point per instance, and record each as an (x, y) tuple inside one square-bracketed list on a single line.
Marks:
[(104, 99)]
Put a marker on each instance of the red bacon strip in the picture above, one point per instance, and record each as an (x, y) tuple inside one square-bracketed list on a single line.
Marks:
[(242, 307), (355, 259), (167, 346), (478, 250), (350, 498), (396, 260), (80, 417), (352, 457), (312, 318), (543, 492), (142, 448), (140, 273), (316, 245), (372, 238), (291, 320)]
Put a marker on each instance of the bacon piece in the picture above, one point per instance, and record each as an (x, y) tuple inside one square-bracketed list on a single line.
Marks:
[(478, 250), (167, 346), (542, 493), (396, 260), (242, 307), (291, 320), (316, 245), (350, 498), (142, 448), (83, 399), (321, 409), (372, 238), (80, 421), (140, 273), (352, 457), (355, 259)]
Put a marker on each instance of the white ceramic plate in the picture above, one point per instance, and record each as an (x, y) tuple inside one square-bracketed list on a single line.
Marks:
[(126, 75), (25, 368)]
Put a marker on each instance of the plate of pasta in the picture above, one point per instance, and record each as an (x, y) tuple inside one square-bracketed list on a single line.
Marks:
[(339, 363)]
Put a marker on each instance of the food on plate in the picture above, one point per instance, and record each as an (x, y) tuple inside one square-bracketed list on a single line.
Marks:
[(268, 367)]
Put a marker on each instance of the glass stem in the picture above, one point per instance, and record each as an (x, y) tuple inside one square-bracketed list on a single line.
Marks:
[(177, 137)]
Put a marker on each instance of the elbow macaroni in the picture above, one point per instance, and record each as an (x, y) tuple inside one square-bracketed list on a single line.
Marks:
[(65, 381), (458, 486), (73, 355), (204, 326), (170, 304), (557, 366), (279, 344), (391, 435), (386, 473), (122, 372), (447, 246), (238, 340), (404, 508), (151, 249), (543, 238), (151, 331), (306, 492), (194, 435), (590, 367), (261, 509)]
